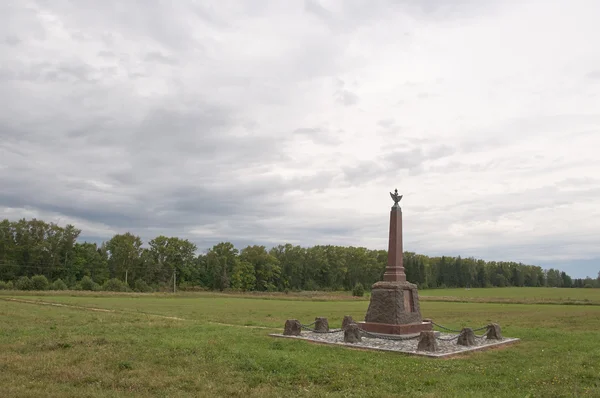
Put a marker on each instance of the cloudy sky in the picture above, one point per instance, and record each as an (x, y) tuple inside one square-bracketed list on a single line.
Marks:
[(265, 122)]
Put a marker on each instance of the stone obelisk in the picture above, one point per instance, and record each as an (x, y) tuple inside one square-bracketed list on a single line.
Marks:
[(394, 271), (394, 306)]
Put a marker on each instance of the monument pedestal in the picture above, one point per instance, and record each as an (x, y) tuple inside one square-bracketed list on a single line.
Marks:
[(394, 309)]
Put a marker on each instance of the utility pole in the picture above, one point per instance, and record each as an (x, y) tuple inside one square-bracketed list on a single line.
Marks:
[(174, 280)]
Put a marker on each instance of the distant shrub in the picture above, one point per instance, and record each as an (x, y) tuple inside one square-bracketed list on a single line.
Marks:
[(186, 287), (3, 285), (141, 286), (358, 290), (39, 282), (311, 285), (87, 283), (58, 285), (23, 283), (114, 285)]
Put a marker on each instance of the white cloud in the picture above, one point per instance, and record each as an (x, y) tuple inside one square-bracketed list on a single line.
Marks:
[(277, 122)]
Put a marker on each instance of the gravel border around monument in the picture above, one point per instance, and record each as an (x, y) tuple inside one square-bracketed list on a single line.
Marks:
[(446, 343)]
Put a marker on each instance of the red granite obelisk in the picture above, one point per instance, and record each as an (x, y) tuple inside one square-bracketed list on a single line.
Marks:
[(394, 271), (394, 306)]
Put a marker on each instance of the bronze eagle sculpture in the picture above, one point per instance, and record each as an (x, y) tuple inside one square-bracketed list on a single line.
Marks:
[(395, 197)]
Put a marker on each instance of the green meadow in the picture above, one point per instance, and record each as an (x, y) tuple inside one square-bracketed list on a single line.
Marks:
[(69, 344)]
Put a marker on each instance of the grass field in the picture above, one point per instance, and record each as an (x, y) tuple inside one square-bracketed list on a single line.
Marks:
[(525, 295), (113, 345)]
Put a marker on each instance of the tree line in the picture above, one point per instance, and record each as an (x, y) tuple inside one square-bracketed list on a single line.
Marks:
[(35, 254)]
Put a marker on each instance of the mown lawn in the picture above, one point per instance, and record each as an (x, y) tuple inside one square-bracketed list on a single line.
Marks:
[(517, 294), (135, 350)]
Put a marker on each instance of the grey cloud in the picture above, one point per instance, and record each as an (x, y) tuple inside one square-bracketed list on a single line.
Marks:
[(347, 98), (405, 159), (315, 8), (159, 58), (343, 95), (386, 123), (308, 130), (362, 172), (12, 40), (440, 151), (497, 205), (510, 132), (411, 160), (594, 74), (52, 72), (317, 135)]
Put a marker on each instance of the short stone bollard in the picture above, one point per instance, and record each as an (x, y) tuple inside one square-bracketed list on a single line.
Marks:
[(347, 321), (493, 332), (292, 328), (427, 342), (352, 334), (321, 325), (466, 337)]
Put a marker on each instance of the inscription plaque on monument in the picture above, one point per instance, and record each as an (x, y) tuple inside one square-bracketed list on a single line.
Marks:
[(408, 301)]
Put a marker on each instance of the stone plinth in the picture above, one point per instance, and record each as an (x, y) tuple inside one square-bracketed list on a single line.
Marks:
[(395, 303), (394, 309)]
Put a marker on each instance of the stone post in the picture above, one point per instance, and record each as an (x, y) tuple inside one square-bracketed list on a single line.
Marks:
[(347, 321), (352, 334), (321, 325), (493, 332), (427, 342), (466, 337), (292, 328)]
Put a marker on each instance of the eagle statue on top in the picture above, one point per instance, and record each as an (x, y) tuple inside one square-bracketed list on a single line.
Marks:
[(395, 197)]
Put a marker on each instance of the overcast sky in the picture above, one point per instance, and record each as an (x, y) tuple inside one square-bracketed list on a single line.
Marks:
[(266, 122)]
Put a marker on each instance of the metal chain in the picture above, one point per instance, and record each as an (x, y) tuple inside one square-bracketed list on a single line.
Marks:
[(305, 327), (445, 328), (396, 338), (378, 336), (448, 339), (458, 331), (369, 334)]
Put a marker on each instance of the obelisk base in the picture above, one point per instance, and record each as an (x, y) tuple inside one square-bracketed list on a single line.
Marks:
[(394, 309)]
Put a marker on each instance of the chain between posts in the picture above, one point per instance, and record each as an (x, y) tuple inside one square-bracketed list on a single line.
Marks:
[(458, 331), (397, 338), (449, 338), (368, 334), (306, 327)]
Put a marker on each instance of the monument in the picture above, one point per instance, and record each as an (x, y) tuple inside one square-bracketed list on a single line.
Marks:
[(394, 306)]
